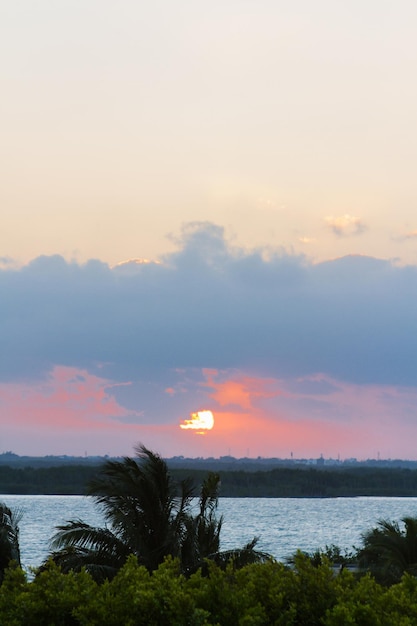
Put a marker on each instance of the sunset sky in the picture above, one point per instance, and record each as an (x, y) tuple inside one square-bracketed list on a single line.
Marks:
[(261, 157)]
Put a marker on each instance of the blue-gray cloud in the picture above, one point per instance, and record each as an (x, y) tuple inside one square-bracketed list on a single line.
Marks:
[(210, 305)]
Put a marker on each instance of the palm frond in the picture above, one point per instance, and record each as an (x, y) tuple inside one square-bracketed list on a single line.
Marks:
[(388, 551), (76, 545), (9, 536), (78, 533), (98, 563), (241, 556)]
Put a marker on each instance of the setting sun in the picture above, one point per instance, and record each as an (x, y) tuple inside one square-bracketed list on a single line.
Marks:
[(201, 422)]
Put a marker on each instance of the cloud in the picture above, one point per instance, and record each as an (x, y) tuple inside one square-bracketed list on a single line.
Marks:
[(71, 408), (261, 339), (131, 265), (210, 306), (7, 263), (411, 235), (306, 240), (345, 225), (309, 416), (239, 390), (72, 411), (76, 396)]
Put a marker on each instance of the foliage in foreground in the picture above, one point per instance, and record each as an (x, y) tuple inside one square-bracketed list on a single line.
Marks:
[(389, 550), (9, 537), (255, 595)]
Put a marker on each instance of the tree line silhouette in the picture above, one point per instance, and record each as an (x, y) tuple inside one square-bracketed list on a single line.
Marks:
[(281, 482)]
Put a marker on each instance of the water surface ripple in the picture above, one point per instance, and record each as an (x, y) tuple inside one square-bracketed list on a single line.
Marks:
[(282, 524)]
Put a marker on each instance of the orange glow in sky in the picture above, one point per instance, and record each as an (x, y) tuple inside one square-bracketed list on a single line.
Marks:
[(201, 422)]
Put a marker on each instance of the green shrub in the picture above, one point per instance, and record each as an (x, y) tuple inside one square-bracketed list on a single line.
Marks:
[(261, 594), (50, 600)]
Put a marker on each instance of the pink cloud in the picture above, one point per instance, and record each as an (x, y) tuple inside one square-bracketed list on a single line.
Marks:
[(65, 411), (268, 418), (240, 390), (69, 397), (73, 411)]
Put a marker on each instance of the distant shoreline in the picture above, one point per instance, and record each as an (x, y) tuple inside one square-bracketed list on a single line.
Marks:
[(280, 482)]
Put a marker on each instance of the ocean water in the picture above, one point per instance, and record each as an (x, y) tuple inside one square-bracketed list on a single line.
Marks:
[(283, 525)]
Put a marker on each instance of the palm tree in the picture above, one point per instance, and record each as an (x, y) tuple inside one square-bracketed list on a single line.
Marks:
[(147, 515), (9, 537), (389, 551), (201, 538)]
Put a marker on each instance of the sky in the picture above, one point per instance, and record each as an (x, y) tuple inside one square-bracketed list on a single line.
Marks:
[(208, 207)]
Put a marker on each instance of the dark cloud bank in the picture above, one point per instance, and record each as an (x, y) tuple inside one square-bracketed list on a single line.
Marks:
[(209, 305)]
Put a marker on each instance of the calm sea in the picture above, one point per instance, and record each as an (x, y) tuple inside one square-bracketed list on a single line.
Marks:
[(282, 524)]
